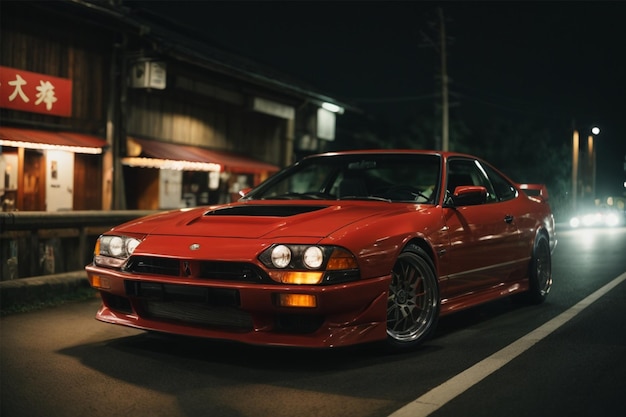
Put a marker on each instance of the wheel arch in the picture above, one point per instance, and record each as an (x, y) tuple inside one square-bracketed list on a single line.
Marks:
[(426, 247), (541, 231)]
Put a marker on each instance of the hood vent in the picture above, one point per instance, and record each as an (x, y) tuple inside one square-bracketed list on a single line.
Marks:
[(263, 210)]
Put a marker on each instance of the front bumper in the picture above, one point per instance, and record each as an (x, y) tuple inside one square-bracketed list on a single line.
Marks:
[(345, 314)]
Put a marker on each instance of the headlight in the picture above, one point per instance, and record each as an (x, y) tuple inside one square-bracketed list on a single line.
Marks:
[(313, 257), (116, 246), (113, 251), (281, 256), (309, 264)]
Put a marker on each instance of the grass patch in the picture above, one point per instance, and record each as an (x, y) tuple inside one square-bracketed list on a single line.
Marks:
[(79, 294)]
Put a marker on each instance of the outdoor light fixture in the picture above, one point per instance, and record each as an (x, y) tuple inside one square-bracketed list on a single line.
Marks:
[(332, 107), (51, 147)]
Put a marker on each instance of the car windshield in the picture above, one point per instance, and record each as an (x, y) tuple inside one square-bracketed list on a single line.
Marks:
[(368, 176)]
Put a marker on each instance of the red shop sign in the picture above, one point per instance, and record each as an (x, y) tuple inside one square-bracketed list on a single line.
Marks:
[(36, 93)]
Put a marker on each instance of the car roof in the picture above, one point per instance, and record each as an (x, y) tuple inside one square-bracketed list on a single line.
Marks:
[(445, 154)]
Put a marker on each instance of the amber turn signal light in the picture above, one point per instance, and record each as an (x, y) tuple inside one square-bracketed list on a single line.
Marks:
[(297, 300)]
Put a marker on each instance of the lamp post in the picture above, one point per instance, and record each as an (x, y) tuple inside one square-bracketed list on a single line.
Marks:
[(575, 146), (591, 163), (592, 158)]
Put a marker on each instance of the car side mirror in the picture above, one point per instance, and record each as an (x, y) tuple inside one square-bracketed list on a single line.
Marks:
[(468, 195), (244, 191)]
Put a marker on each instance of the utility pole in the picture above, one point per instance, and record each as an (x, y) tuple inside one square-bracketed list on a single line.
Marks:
[(445, 138), (442, 143)]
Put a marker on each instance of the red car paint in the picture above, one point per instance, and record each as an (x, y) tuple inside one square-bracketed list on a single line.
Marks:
[(479, 251)]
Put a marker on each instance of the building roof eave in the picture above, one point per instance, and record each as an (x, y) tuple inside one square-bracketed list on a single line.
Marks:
[(171, 43)]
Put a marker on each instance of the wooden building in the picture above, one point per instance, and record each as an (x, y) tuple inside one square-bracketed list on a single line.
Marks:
[(101, 109)]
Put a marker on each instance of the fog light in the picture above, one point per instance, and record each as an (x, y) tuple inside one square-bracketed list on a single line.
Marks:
[(297, 300)]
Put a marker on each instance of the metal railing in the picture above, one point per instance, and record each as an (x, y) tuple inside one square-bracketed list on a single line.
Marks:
[(45, 243)]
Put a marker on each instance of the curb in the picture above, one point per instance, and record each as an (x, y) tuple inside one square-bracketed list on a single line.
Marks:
[(30, 293), (25, 294)]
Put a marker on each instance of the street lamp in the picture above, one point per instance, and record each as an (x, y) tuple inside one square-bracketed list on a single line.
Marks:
[(592, 158), (591, 163), (575, 146)]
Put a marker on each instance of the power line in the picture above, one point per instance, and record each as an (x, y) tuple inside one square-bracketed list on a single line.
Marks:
[(393, 99)]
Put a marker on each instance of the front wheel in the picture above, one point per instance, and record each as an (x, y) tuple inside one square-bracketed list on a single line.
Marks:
[(413, 299)]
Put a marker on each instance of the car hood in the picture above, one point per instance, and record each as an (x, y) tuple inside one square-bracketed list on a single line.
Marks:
[(253, 220)]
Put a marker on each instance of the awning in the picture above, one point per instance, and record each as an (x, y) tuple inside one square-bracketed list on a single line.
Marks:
[(44, 139), (154, 154)]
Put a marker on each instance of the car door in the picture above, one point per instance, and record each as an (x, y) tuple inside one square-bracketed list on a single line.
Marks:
[(484, 239)]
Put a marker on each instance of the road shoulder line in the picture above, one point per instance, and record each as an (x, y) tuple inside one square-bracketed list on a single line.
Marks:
[(439, 396)]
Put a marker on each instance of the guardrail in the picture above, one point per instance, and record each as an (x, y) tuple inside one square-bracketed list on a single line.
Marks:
[(45, 243)]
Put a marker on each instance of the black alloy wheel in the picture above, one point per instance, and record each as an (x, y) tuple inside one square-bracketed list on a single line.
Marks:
[(413, 299)]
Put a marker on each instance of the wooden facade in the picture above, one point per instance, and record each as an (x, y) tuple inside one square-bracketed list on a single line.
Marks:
[(53, 43), (203, 104), (50, 42)]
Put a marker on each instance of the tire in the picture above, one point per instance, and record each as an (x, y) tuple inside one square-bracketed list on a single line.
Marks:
[(413, 299), (540, 272)]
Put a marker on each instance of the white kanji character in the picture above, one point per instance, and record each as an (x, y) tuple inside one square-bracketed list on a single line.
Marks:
[(46, 94), (18, 83)]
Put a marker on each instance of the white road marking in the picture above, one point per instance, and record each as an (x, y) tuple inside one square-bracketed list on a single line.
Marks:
[(439, 396)]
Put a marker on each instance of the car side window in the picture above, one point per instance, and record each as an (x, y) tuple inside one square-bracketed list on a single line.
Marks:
[(503, 188), (468, 172)]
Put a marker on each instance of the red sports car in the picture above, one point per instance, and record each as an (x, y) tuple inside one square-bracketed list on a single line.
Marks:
[(338, 249)]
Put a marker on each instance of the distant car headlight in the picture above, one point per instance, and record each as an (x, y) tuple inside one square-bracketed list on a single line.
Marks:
[(574, 222), (611, 220), (309, 264), (590, 219), (113, 250)]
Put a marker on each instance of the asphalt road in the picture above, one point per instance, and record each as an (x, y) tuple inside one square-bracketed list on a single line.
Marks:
[(489, 361)]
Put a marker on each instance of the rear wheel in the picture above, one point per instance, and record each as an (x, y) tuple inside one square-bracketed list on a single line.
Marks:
[(413, 299), (540, 272)]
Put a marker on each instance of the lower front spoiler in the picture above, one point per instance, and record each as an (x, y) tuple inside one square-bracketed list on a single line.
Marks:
[(347, 314), (326, 337)]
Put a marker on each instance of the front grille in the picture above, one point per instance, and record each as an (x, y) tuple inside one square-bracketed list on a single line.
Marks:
[(236, 271), (182, 293), (217, 307), (200, 314), (153, 265), (215, 270)]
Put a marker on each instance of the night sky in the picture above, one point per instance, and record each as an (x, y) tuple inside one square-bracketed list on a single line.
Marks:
[(560, 64)]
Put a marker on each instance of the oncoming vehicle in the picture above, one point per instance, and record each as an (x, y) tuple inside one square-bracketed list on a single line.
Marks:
[(601, 216), (338, 249)]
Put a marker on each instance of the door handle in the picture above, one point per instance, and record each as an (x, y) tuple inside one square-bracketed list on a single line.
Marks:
[(508, 219)]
